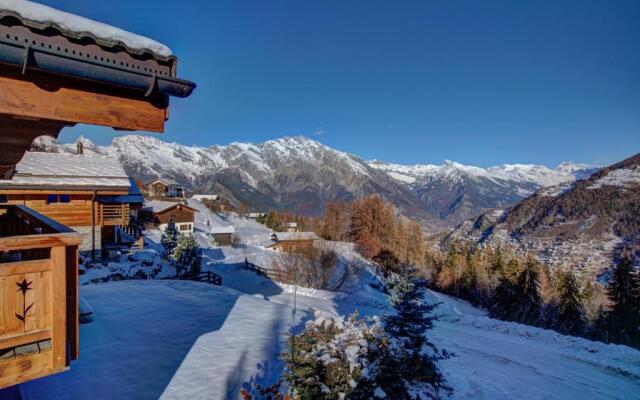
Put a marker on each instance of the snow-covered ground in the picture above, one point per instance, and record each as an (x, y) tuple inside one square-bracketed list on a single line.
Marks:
[(185, 340)]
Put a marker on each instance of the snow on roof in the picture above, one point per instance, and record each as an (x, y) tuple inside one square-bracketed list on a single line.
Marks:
[(290, 236), (223, 229), (55, 169), (205, 196), (157, 206), (78, 27), (165, 182)]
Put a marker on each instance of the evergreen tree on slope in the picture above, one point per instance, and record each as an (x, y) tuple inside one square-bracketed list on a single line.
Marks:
[(187, 254), (169, 239), (570, 318), (624, 317), (527, 292)]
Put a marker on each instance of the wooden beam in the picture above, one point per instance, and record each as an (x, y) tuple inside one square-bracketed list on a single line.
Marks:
[(22, 242), (16, 136), (25, 267), (38, 95)]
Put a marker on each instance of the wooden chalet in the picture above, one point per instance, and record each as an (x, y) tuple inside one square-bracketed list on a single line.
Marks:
[(90, 194), (56, 70), (223, 235), (158, 188), (164, 212), (292, 241)]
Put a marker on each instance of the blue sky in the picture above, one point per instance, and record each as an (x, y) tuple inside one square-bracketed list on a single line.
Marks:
[(479, 82)]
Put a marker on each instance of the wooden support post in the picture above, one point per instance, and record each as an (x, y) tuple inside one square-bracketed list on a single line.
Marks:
[(73, 330), (59, 307)]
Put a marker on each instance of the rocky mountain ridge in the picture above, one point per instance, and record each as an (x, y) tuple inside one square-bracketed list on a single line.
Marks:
[(302, 175)]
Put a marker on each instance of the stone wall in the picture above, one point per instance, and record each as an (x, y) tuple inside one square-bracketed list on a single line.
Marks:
[(85, 232)]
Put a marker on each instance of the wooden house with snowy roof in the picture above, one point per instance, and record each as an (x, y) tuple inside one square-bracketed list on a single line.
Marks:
[(162, 213), (161, 188), (292, 241), (57, 70), (90, 194)]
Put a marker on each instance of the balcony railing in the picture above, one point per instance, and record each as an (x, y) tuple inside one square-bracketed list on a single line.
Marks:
[(39, 295), (112, 214)]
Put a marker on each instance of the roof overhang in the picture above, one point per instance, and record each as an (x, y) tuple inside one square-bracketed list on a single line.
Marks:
[(24, 45)]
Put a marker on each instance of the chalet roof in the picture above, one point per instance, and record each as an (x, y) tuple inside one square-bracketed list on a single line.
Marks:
[(294, 236), (82, 172), (165, 182), (76, 27), (69, 45), (222, 229), (205, 196), (158, 206)]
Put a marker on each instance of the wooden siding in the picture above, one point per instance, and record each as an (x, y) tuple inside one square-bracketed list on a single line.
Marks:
[(77, 212), (177, 215), (223, 239)]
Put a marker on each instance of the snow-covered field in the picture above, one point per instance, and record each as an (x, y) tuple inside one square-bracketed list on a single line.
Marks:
[(185, 340)]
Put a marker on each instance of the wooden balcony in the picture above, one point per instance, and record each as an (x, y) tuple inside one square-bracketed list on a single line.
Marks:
[(112, 214), (38, 295)]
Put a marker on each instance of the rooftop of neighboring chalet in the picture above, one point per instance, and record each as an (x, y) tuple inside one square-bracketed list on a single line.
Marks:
[(158, 206), (39, 170), (293, 236), (222, 229)]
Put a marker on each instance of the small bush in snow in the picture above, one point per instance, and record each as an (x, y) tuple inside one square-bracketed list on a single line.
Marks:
[(186, 254), (335, 358)]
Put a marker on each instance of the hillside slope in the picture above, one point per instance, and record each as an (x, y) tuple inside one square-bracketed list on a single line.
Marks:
[(586, 224)]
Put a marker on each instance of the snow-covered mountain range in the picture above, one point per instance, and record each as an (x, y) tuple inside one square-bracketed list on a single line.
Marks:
[(302, 175)]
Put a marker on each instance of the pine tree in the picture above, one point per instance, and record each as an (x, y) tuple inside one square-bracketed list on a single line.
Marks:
[(527, 294), (503, 300), (497, 263), (624, 317), (169, 239), (186, 254), (570, 318), (470, 279), (407, 365)]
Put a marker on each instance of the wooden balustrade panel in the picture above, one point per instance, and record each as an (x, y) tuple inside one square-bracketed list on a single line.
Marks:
[(27, 302), (25, 299)]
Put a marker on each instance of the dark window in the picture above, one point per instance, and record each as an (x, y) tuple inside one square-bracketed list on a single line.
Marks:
[(3, 198), (58, 198)]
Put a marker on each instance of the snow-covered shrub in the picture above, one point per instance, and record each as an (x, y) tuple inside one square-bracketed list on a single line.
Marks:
[(335, 358), (186, 254), (353, 358)]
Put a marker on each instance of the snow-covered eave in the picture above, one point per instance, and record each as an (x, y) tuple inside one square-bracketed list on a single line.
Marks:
[(73, 26)]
